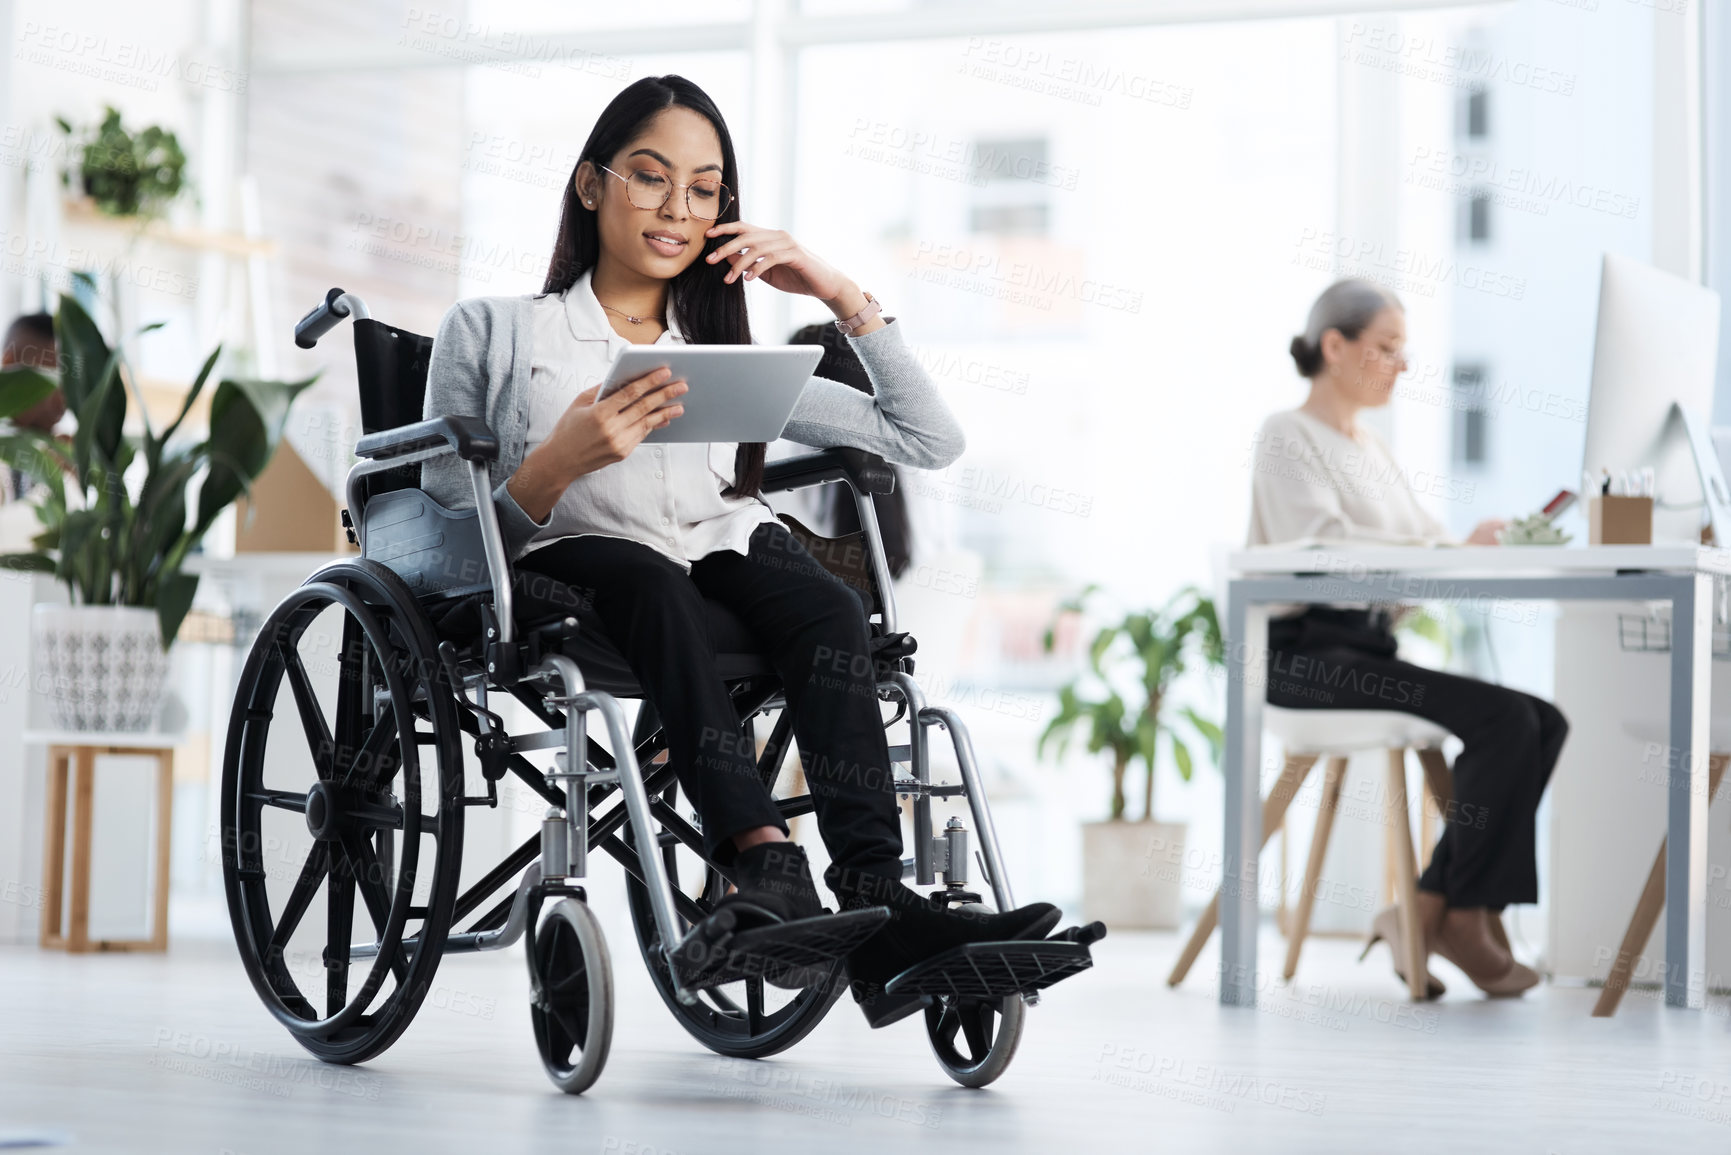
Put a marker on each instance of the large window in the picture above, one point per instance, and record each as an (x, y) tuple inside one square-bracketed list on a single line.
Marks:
[(1075, 229)]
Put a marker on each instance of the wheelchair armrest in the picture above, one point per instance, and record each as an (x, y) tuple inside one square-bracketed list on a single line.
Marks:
[(866, 472), (469, 437)]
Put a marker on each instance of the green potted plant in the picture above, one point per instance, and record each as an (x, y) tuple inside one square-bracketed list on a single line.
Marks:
[(121, 550), (124, 174), (1122, 706)]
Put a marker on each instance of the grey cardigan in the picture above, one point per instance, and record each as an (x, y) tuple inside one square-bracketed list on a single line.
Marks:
[(480, 368)]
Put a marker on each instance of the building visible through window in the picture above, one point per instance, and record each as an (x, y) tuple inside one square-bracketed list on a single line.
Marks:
[(1012, 182), (1478, 115), (1478, 214), (1472, 419)]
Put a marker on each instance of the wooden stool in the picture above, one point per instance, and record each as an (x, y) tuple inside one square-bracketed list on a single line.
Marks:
[(1401, 864), (1292, 776), (1308, 736), (1647, 910), (72, 769)]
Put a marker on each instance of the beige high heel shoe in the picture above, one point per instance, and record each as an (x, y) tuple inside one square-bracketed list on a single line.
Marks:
[(1509, 984), (1386, 927)]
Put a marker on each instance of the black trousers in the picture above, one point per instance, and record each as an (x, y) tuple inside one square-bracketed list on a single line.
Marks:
[(814, 630), (1344, 660)]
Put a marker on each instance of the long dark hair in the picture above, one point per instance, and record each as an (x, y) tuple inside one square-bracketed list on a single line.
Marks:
[(708, 311)]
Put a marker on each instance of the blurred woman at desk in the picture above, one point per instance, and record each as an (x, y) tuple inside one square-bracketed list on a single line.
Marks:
[(1319, 474)]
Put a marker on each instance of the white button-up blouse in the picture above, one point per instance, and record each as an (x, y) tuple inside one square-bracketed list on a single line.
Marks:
[(666, 495)]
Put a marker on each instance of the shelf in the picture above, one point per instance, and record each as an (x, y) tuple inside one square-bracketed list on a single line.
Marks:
[(82, 211)]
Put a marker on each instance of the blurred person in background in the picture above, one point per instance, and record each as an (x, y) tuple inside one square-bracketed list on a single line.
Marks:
[(30, 343), (1320, 475)]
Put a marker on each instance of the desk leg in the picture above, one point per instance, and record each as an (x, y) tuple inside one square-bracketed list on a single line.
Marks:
[(1687, 796), (1246, 671)]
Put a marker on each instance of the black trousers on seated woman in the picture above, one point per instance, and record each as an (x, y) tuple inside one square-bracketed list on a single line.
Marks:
[(811, 626), (1329, 659)]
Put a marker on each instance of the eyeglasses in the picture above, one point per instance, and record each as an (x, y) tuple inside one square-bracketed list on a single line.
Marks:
[(648, 189)]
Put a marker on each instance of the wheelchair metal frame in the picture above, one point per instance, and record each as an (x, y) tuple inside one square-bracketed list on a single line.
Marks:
[(566, 836)]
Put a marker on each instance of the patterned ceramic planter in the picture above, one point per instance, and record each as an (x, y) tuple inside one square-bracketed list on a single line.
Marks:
[(100, 667)]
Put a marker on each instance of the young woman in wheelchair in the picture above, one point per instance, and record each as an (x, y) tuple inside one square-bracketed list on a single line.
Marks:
[(651, 249)]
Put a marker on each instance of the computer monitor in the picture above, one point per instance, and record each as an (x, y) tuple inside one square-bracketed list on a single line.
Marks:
[(1655, 352)]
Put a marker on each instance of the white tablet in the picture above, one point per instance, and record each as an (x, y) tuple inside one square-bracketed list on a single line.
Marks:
[(736, 392)]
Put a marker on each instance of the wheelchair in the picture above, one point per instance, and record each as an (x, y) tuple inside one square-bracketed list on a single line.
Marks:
[(420, 634)]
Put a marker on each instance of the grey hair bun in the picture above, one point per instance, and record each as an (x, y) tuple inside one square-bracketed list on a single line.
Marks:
[(1349, 306)]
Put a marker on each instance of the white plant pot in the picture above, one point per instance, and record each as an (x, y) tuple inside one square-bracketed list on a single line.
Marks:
[(1132, 873), (101, 668)]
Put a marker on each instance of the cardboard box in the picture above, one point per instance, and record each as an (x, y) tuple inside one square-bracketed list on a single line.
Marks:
[(289, 511), (1619, 520)]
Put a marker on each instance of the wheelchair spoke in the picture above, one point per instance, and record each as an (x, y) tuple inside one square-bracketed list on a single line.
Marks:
[(571, 1028), (754, 1004), (976, 1028), (369, 875), (313, 872), (376, 815), (375, 754), (340, 917), (318, 731), (568, 985), (949, 1022), (281, 799)]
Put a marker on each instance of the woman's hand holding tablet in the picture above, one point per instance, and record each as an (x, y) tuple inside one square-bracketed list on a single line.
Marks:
[(594, 432)]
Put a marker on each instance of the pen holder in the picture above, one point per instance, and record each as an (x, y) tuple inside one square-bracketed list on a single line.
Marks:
[(1619, 520)]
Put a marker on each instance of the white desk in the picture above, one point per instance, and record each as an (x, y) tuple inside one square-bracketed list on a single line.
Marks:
[(1679, 574)]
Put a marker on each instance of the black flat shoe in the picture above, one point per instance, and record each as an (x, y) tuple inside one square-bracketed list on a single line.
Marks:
[(794, 955), (920, 928), (773, 925)]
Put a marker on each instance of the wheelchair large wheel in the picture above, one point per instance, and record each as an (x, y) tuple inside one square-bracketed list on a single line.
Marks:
[(974, 1040), (571, 1008), (332, 802)]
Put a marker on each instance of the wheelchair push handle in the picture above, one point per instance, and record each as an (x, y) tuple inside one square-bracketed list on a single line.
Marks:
[(325, 315)]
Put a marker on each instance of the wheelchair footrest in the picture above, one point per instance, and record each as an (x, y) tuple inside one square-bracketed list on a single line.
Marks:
[(780, 952), (995, 970)]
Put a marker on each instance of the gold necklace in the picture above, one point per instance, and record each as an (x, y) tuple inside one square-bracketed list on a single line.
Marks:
[(629, 317)]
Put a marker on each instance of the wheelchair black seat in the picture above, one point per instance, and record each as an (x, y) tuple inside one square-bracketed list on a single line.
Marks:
[(604, 667), (541, 604)]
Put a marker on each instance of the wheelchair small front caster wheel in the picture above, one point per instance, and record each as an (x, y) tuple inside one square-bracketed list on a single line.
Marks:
[(571, 992), (974, 1039)]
